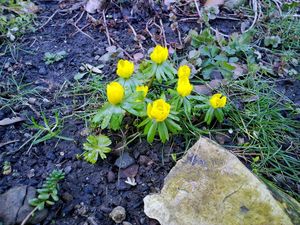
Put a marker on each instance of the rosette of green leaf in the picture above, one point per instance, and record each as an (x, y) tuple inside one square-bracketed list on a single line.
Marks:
[(213, 106), (131, 83), (111, 115), (177, 101), (161, 119), (48, 194), (159, 67), (96, 146)]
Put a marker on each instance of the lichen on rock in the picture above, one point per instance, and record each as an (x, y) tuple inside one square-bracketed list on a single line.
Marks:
[(210, 186)]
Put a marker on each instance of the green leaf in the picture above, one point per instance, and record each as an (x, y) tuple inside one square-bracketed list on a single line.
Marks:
[(219, 115), (172, 126), (147, 127), (34, 202), (96, 146), (209, 115), (152, 132), (163, 132), (43, 196)]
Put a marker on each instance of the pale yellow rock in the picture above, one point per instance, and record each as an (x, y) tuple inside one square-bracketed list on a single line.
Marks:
[(210, 186)]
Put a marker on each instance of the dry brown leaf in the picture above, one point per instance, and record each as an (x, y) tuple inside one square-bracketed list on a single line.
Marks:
[(8, 121), (239, 71), (209, 3)]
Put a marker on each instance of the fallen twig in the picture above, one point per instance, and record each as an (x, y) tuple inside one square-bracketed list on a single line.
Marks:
[(136, 36), (106, 28), (7, 143), (148, 31), (74, 7), (163, 32)]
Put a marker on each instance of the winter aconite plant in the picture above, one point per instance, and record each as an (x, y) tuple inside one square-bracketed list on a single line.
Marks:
[(156, 96)]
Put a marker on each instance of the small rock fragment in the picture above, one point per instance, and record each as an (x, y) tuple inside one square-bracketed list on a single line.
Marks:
[(111, 176), (126, 223), (118, 214), (124, 161)]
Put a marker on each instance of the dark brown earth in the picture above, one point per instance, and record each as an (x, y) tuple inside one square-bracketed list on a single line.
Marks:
[(88, 191)]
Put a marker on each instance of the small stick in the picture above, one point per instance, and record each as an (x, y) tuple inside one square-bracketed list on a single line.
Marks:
[(28, 216), (197, 7), (163, 32), (74, 7), (106, 28), (147, 29), (7, 143), (256, 14), (136, 36)]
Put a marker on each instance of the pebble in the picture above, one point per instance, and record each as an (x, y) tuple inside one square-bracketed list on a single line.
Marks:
[(32, 100), (6, 65), (67, 196), (68, 169), (130, 171), (126, 223), (124, 161), (111, 177), (42, 71), (118, 214)]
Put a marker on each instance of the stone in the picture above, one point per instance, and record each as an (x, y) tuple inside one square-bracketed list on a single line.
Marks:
[(38, 216), (42, 71), (124, 161), (232, 4), (118, 214), (10, 203), (14, 206), (126, 223), (130, 171), (210, 186), (111, 176)]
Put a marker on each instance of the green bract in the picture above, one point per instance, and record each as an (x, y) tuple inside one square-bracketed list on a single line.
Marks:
[(112, 115), (152, 127), (164, 71), (96, 146)]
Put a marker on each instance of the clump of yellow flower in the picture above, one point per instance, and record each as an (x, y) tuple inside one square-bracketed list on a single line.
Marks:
[(159, 54), (115, 93), (217, 101), (143, 89), (184, 72), (158, 110), (184, 87), (125, 68)]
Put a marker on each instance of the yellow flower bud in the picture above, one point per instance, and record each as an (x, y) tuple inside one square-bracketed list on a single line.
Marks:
[(217, 101), (159, 54), (125, 68), (115, 93), (184, 71), (143, 89), (158, 110), (184, 87)]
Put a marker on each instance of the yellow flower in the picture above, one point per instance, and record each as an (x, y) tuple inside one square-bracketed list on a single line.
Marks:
[(159, 54), (125, 68), (217, 101), (115, 93), (184, 87), (158, 110), (184, 71), (143, 89)]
